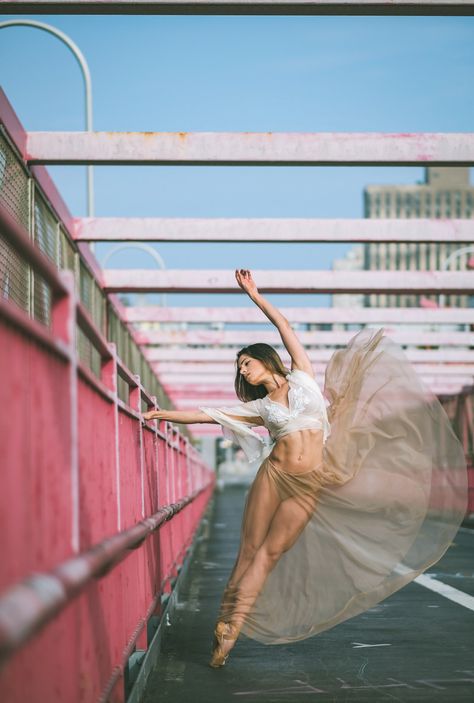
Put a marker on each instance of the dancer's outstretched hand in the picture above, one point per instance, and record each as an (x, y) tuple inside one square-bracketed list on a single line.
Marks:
[(245, 281)]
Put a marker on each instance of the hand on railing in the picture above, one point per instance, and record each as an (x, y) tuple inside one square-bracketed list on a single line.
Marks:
[(153, 415)]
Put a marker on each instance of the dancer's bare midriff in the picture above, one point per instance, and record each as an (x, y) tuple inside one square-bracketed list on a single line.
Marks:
[(298, 451)]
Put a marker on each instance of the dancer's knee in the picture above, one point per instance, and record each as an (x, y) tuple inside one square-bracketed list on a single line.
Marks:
[(248, 551), (270, 554)]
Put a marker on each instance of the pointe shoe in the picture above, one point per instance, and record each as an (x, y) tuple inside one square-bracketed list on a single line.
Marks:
[(223, 631)]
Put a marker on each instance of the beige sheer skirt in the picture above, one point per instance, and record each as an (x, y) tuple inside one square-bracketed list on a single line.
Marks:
[(384, 504)]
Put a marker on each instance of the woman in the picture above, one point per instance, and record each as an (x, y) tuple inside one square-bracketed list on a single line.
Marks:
[(350, 502)]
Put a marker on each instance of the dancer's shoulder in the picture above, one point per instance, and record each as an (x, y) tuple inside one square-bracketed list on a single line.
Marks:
[(300, 377)]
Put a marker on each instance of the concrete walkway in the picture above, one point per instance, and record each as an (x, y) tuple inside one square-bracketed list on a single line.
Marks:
[(414, 646)]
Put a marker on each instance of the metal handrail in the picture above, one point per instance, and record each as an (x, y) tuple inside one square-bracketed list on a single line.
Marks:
[(30, 604)]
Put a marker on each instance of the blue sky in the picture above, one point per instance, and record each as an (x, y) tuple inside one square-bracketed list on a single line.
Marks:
[(241, 74)]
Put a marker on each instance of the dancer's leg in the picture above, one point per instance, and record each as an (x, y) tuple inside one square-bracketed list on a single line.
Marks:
[(260, 507), (287, 524)]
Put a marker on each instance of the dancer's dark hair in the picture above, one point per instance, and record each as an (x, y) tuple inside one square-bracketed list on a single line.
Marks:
[(269, 358)]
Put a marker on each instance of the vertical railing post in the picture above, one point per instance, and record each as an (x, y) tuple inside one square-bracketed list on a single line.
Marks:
[(63, 322), (156, 454), (167, 461), (109, 377), (135, 400), (171, 467)]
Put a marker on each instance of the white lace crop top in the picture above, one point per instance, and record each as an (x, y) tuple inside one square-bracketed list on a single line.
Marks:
[(307, 409)]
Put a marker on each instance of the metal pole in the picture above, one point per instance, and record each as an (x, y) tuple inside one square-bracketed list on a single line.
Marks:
[(78, 55), (144, 247)]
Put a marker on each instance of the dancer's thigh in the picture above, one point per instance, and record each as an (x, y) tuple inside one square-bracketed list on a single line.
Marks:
[(287, 524), (262, 502)]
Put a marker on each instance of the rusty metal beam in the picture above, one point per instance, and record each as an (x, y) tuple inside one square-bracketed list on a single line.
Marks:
[(207, 387), (349, 315), (318, 338), (186, 403), (182, 373), (251, 148), (176, 229), (284, 281), (167, 353), (240, 7)]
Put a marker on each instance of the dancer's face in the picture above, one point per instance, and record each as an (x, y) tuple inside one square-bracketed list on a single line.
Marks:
[(253, 370)]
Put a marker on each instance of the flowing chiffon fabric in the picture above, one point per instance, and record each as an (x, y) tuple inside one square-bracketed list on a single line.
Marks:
[(383, 505)]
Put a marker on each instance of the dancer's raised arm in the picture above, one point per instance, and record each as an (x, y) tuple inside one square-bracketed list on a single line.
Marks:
[(299, 357)]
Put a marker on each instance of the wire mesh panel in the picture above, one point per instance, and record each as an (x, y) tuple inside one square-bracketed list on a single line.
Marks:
[(14, 273), (67, 253), (42, 300), (45, 232), (14, 276), (123, 390), (45, 228), (98, 307), (87, 352), (85, 286), (13, 185), (115, 334), (32, 293)]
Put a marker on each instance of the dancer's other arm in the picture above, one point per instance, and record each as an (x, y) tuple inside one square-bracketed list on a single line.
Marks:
[(186, 417), (299, 357)]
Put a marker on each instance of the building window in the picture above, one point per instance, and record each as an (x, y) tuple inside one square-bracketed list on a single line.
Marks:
[(458, 203), (398, 202)]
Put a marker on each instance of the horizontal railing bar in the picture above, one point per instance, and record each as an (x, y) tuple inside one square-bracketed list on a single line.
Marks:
[(127, 409), (316, 355), (241, 7), (40, 597), (134, 229), (193, 402), (339, 338), (302, 315), (288, 281), (125, 373), (95, 382), (184, 374), (251, 148), (222, 386)]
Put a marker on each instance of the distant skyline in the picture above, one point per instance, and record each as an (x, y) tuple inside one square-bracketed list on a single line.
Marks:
[(388, 74)]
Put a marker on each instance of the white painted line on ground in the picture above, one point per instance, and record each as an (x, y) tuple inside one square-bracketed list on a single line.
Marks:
[(447, 591)]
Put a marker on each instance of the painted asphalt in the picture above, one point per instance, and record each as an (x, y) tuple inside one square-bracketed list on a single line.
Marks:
[(416, 645)]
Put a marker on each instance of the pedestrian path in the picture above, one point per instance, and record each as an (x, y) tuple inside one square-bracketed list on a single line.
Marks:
[(415, 646)]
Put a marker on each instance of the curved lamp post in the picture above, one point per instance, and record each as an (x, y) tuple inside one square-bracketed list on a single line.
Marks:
[(78, 55), (144, 247)]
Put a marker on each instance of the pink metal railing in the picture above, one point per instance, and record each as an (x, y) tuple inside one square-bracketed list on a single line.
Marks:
[(98, 509)]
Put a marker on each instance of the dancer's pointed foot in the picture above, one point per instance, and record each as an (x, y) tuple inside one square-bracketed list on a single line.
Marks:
[(225, 636)]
